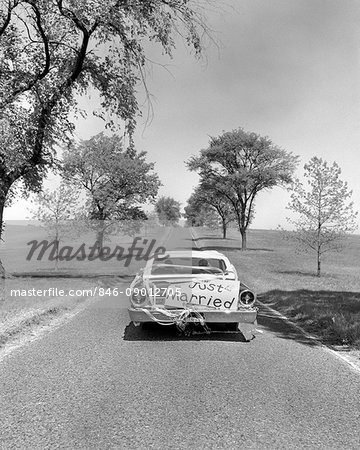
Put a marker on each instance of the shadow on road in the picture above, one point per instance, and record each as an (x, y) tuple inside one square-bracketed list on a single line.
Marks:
[(228, 248), (222, 244), (217, 247), (303, 273), (156, 332), (212, 238)]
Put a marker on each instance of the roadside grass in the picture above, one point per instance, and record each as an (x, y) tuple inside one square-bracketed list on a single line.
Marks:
[(19, 312), (332, 316), (32, 318), (326, 306)]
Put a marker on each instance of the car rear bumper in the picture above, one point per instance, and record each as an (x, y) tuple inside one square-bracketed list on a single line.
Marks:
[(141, 315), (246, 319)]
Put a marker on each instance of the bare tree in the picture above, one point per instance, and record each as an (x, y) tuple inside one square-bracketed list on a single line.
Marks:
[(325, 212), (55, 210)]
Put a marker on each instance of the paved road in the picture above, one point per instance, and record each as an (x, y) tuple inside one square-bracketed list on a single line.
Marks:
[(99, 383)]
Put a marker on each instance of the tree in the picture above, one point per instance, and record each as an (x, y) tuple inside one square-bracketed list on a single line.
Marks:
[(51, 52), (238, 165), (206, 199), (55, 211), (200, 215), (324, 211), (117, 180), (168, 210)]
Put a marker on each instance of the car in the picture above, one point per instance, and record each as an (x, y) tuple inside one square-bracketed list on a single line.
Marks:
[(198, 287)]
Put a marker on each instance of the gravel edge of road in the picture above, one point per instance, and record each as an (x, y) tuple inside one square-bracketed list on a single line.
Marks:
[(47, 323)]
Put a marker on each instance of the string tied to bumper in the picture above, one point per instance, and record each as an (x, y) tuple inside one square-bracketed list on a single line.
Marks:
[(178, 318)]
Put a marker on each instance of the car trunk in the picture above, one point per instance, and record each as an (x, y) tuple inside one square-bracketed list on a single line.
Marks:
[(160, 284)]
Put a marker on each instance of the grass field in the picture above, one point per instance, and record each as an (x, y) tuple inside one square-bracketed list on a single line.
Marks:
[(328, 307), (21, 310), (15, 250)]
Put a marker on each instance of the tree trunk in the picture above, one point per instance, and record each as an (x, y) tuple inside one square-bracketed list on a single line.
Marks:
[(224, 228), (240, 217), (318, 250), (243, 238), (57, 246), (100, 239), (318, 272), (2, 207), (242, 230), (2, 270)]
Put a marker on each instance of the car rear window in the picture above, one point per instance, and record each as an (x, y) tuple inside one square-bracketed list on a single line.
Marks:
[(212, 262), (178, 265)]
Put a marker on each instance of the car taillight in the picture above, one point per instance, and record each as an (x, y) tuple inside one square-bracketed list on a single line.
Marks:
[(138, 296), (246, 298), (139, 293)]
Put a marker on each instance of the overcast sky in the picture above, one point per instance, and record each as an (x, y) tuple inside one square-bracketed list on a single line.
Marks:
[(288, 69)]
